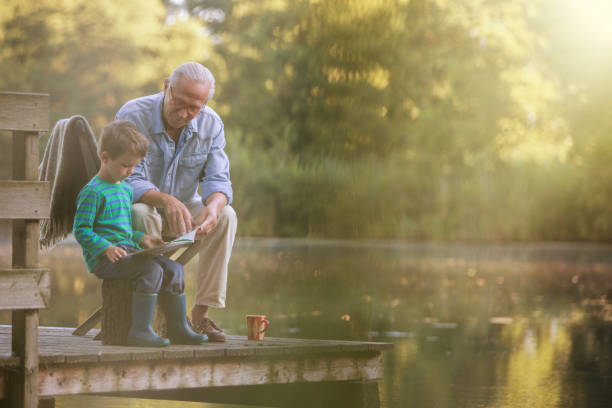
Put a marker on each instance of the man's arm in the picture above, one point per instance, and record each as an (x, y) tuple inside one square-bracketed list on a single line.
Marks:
[(216, 177), (140, 182), (216, 186)]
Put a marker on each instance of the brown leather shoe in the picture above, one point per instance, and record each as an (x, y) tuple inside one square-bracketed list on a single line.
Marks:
[(208, 327)]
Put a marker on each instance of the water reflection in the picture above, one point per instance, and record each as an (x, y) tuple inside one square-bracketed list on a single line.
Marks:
[(474, 326)]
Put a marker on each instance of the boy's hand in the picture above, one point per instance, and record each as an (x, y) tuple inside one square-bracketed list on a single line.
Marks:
[(114, 253), (150, 241)]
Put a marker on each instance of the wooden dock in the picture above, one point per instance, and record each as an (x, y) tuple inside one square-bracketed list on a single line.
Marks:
[(273, 372)]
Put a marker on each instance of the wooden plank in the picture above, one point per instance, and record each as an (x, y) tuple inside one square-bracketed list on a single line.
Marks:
[(54, 340), (24, 111), (25, 199), (24, 288), (147, 354), (88, 324), (133, 375), (188, 254), (52, 358), (178, 352), (208, 352)]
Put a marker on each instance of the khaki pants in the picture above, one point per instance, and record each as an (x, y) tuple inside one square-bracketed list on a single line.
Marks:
[(213, 255)]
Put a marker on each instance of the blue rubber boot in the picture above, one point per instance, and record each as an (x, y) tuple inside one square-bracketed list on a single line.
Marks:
[(141, 332), (176, 320)]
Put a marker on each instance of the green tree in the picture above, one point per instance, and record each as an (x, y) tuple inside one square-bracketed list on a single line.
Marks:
[(91, 57), (408, 109)]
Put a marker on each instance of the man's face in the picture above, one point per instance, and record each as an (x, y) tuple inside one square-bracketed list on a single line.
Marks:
[(183, 101)]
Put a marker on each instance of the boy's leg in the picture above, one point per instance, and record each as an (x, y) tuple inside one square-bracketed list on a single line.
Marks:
[(145, 274), (147, 278), (173, 281), (141, 330), (172, 300)]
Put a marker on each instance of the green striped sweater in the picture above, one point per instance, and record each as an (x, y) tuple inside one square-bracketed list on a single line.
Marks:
[(103, 218)]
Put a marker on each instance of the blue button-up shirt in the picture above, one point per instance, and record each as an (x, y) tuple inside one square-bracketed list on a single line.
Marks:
[(197, 159)]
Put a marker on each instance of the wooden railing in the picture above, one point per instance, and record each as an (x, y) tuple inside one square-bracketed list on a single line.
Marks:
[(25, 287)]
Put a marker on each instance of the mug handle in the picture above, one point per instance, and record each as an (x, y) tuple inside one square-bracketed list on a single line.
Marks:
[(266, 322)]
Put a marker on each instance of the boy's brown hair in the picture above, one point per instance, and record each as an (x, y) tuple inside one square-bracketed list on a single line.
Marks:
[(122, 136)]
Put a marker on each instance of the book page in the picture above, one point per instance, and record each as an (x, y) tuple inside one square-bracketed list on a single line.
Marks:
[(180, 242)]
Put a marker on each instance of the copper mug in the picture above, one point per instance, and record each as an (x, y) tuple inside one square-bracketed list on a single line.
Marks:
[(256, 326)]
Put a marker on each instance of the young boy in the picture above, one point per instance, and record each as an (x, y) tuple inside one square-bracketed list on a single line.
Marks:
[(103, 228)]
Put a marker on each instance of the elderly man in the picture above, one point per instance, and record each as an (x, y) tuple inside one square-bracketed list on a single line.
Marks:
[(186, 142)]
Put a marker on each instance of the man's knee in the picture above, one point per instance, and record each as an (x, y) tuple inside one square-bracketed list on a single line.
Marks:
[(145, 218), (227, 217), (140, 210)]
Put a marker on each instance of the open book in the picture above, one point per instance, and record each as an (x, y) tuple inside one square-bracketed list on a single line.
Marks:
[(181, 242)]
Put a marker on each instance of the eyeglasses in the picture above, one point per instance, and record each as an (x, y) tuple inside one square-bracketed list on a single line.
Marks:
[(181, 104)]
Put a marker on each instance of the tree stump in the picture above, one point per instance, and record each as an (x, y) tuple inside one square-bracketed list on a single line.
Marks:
[(117, 312)]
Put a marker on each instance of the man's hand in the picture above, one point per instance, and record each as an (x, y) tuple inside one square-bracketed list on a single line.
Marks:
[(207, 220), (114, 253), (150, 241), (178, 216)]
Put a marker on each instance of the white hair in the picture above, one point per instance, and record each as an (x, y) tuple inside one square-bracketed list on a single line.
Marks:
[(194, 71)]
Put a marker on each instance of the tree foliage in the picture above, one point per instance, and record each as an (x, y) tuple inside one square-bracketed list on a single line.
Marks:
[(91, 56), (420, 119)]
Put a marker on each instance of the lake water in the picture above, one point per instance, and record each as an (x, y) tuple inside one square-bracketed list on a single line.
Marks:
[(473, 325)]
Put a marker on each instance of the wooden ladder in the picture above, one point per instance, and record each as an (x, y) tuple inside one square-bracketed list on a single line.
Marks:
[(25, 287)]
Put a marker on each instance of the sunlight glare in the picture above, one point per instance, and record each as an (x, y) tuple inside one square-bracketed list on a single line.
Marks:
[(590, 23)]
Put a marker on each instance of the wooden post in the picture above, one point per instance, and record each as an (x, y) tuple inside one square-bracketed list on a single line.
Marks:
[(24, 384), (24, 201)]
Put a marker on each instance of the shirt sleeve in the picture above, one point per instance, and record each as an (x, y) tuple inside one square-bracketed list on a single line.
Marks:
[(216, 171), (139, 181), (88, 203)]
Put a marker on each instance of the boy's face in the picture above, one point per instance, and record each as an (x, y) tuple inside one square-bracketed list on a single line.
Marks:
[(115, 170)]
